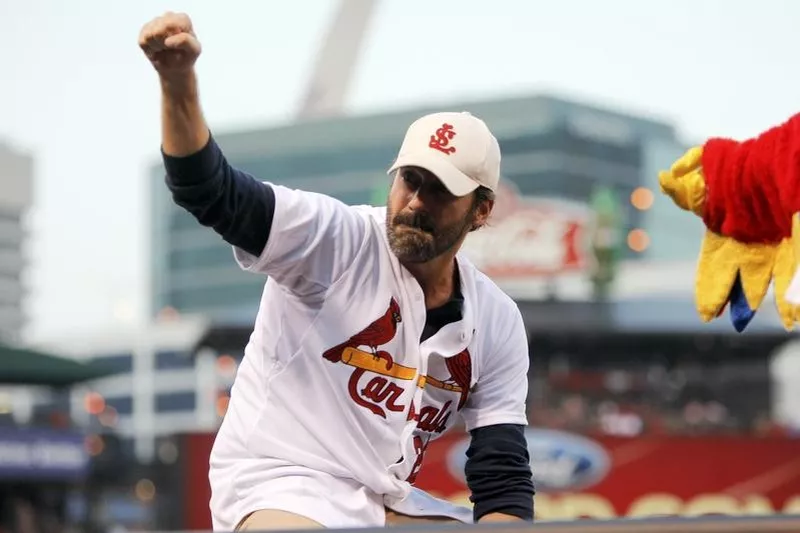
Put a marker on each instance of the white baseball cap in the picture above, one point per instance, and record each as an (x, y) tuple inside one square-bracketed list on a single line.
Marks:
[(457, 148)]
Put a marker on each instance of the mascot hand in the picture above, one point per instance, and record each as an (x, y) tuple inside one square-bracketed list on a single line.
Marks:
[(729, 271), (685, 183)]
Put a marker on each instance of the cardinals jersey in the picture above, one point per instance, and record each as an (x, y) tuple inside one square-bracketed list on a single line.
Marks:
[(335, 378)]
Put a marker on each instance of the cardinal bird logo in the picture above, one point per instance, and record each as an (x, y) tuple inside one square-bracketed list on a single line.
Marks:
[(362, 351), (380, 332), (460, 368)]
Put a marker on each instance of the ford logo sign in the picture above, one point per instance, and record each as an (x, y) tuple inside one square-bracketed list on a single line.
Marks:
[(559, 460)]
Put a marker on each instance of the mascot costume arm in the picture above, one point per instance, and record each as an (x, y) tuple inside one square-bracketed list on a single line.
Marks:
[(747, 194)]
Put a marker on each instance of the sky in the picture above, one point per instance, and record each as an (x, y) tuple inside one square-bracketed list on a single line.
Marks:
[(78, 94)]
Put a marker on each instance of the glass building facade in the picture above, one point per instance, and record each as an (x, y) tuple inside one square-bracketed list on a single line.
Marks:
[(551, 148)]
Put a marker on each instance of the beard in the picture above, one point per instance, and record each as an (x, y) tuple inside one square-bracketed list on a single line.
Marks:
[(414, 238)]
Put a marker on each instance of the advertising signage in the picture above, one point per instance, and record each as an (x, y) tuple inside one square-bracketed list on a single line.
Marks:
[(40, 454), (606, 477)]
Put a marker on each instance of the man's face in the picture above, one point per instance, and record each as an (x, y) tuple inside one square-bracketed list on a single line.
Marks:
[(425, 220)]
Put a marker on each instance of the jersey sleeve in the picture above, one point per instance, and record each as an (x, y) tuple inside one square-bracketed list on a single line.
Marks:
[(313, 240), (501, 392)]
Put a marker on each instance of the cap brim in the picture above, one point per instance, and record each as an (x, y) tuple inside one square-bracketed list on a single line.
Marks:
[(458, 183)]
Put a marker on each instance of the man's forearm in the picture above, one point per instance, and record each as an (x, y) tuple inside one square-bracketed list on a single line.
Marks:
[(499, 475), (183, 128), (499, 517)]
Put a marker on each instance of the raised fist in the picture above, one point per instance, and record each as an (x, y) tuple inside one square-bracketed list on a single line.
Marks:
[(170, 44)]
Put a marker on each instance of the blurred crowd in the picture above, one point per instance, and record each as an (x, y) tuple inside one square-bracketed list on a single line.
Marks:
[(687, 399), (25, 508), (610, 416)]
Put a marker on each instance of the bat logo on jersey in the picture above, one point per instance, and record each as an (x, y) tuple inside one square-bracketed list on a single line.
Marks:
[(441, 140), (460, 368), (432, 419), (380, 393)]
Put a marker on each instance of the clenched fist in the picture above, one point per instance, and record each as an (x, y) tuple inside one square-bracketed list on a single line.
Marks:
[(170, 44)]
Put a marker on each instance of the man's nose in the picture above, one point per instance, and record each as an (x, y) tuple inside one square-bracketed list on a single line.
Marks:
[(417, 201)]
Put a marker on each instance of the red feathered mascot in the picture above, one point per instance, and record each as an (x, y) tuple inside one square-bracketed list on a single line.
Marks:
[(748, 195)]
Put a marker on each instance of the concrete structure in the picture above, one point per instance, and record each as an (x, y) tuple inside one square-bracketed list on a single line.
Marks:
[(16, 184), (554, 150)]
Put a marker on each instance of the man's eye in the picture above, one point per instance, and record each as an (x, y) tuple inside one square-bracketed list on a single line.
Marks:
[(411, 180)]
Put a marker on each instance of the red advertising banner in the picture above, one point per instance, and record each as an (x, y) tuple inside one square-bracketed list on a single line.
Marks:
[(605, 477)]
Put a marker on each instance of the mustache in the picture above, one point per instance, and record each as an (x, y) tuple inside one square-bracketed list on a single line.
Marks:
[(420, 221)]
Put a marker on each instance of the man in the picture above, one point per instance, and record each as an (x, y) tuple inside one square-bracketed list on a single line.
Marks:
[(373, 335)]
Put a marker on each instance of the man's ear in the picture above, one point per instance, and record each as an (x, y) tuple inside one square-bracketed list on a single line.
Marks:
[(481, 215)]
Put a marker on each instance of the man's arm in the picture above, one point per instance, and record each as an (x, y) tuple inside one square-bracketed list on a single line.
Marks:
[(183, 127), (304, 241), (499, 475), (499, 518), (172, 47), (235, 205), (498, 464)]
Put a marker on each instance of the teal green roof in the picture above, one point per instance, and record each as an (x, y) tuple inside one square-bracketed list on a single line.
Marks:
[(23, 366)]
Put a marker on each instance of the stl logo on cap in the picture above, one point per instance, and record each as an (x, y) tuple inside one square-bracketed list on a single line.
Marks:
[(441, 140)]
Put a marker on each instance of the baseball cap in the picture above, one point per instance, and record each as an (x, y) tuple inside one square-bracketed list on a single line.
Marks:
[(457, 147)]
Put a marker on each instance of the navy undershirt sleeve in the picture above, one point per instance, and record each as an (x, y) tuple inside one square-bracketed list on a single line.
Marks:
[(232, 202), (498, 472)]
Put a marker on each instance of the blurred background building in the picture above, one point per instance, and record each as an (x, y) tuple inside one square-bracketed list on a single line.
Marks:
[(16, 184)]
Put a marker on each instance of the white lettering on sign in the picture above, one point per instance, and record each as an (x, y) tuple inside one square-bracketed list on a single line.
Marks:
[(41, 454)]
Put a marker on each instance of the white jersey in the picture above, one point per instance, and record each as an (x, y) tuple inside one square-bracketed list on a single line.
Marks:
[(334, 379)]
